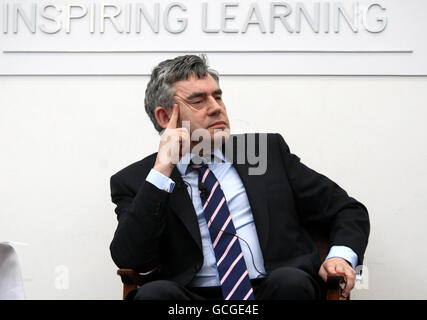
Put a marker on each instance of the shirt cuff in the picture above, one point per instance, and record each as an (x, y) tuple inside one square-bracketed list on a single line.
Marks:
[(160, 181), (344, 252)]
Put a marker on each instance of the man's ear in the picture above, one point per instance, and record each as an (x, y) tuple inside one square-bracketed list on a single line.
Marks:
[(162, 116)]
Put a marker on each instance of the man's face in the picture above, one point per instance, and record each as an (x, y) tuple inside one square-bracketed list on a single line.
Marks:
[(200, 102)]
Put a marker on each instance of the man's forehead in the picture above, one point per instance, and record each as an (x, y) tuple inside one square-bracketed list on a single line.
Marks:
[(195, 84)]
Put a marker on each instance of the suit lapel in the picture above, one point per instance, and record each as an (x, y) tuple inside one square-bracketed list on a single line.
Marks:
[(180, 203), (256, 191)]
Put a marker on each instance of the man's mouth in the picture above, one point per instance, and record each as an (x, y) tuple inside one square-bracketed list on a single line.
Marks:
[(218, 124)]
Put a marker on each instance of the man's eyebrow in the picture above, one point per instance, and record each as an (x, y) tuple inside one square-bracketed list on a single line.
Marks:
[(195, 95), (216, 92), (202, 94)]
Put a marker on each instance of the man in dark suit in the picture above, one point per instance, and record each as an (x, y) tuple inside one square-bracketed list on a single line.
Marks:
[(201, 222)]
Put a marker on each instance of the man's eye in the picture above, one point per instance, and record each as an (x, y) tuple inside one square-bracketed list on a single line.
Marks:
[(218, 98)]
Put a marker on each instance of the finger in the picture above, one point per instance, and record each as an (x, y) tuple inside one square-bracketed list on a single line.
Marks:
[(173, 120), (340, 269), (186, 141), (185, 134), (323, 274), (181, 133), (350, 281), (330, 268), (177, 135)]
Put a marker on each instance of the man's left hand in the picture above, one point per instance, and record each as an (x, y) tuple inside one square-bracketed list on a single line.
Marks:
[(341, 266)]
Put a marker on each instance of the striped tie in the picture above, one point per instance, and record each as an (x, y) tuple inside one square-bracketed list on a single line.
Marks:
[(231, 265)]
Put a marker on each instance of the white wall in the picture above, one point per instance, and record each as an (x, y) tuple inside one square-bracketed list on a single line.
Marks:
[(61, 138)]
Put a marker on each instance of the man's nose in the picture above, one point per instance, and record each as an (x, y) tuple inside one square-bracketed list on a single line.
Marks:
[(213, 106)]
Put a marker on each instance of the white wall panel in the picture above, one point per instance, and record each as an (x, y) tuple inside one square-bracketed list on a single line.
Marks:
[(61, 138), (242, 37)]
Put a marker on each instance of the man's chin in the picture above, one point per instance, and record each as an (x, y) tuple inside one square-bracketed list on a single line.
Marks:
[(220, 135)]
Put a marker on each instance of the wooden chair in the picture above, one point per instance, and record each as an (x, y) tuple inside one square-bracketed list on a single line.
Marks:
[(335, 283)]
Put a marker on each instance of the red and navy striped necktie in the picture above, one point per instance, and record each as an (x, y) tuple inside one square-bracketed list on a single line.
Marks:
[(235, 283)]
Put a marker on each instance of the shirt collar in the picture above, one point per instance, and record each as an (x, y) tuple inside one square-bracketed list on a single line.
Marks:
[(182, 165)]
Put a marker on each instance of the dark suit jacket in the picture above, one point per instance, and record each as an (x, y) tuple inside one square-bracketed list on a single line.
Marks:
[(158, 230)]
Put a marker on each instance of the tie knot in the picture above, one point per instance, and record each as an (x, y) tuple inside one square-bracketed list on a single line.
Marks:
[(198, 162), (197, 165)]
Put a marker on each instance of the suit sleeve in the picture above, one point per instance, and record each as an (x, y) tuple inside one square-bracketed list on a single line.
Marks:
[(320, 201), (141, 220)]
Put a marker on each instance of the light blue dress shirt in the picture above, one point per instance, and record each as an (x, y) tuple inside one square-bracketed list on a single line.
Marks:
[(240, 212)]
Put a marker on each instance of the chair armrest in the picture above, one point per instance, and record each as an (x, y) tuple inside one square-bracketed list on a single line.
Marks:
[(335, 285), (130, 277), (132, 280)]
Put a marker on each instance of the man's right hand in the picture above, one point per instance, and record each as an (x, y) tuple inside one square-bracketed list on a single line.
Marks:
[(174, 143)]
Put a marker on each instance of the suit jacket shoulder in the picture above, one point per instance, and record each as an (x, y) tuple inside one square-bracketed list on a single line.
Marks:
[(134, 174)]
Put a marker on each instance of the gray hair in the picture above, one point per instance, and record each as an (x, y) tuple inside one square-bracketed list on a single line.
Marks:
[(160, 91)]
